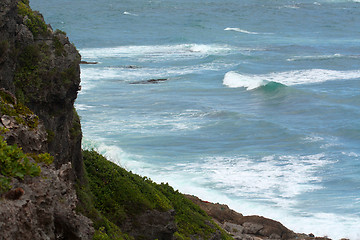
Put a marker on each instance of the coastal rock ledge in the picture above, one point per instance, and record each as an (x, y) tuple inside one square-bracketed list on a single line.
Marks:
[(249, 227)]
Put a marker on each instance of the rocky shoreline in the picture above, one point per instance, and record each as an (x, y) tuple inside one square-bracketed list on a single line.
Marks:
[(249, 227), (70, 198)]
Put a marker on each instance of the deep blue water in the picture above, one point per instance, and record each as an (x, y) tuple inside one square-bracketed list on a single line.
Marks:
[(260, 109)]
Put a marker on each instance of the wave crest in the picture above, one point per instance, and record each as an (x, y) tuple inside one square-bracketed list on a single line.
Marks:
[(239, 30), (289, 78)]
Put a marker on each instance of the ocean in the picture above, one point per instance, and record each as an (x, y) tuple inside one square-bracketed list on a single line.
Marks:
[(254, 104)]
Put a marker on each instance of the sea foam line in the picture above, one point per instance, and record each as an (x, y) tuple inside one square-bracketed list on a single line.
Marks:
[(239, 30), (157, 50), (289, 78), (322, 57), (131, 14)]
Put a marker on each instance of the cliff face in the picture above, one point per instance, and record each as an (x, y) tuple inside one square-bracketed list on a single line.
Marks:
[(41, 68), (39, 80)]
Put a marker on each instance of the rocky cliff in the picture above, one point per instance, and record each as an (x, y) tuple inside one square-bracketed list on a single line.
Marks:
[(41, 68), (39, 81)]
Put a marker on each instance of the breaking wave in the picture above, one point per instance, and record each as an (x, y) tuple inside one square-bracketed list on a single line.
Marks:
[(289, 78)]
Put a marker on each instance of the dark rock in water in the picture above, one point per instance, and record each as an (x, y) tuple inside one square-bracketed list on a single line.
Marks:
[(132, 67), (86, 62), (151, 81)]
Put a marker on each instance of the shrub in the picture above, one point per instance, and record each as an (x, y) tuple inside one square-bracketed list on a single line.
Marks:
[(33, 21), (14, 163)]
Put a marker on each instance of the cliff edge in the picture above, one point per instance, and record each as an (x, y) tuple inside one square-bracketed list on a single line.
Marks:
[(41, 68)]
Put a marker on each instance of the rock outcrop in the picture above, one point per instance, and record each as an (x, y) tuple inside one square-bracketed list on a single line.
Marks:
[(243, 227), (41, 68), (39, 80), (43, 208)]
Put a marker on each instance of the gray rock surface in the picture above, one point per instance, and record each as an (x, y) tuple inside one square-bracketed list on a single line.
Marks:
[(45, 209)]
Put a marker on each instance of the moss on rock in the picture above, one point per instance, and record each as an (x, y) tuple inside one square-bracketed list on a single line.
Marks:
[(21, 113)]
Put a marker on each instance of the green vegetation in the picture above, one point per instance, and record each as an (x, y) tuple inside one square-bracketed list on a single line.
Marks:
[(191, 220), (114, 195), (75, 130), (104, 229), (59, 47), (27, 77), (69, 74), (42, 158), (22, 114), (33, 73), (50, 135), (33, 20), (15, 163)]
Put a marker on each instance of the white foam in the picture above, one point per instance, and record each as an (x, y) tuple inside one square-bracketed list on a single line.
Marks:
[(235, 80), (317, 57), (115, 154), (313, 138), (277, 179), (239, 30), (128, 13), (82, 107), (295, 6), (274, 178), (179, 51), (91, 76), (351, 154), (252, 81)]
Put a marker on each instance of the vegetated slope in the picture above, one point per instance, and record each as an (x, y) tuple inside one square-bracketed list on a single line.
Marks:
[(138, 206)]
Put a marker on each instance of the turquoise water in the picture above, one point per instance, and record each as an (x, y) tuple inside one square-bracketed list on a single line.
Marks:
[(260, 109)]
